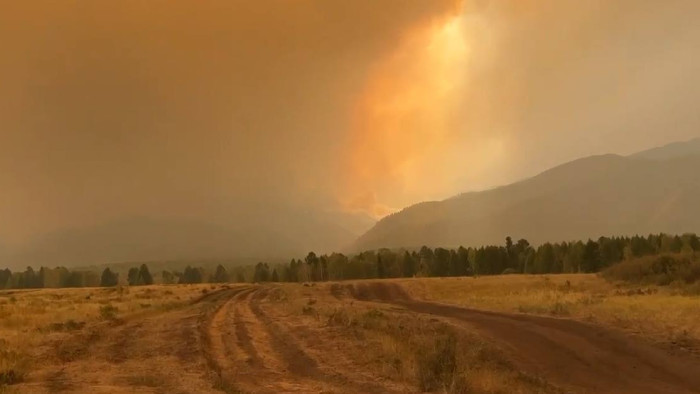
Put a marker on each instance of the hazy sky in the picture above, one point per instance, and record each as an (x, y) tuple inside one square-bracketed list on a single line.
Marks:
[(216, 109)]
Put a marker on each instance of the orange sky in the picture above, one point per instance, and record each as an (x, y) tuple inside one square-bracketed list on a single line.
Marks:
[(402, 116), (215, 109), (490, 92)]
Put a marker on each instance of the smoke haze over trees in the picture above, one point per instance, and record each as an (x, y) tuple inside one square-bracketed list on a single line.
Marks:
[(204, 129), (514, 257)]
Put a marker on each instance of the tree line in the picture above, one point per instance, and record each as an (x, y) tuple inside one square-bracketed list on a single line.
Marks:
[(511, 257), (136, 276)]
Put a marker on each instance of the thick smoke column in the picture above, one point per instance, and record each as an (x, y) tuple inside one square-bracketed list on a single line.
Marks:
[(275, 119)]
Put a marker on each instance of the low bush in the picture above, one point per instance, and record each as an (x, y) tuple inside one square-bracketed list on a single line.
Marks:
[(108, 312), (69, 325), (660, 270), (437, 364), (13, 366)]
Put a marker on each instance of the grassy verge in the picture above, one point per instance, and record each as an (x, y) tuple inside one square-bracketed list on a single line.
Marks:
[(668, 315)]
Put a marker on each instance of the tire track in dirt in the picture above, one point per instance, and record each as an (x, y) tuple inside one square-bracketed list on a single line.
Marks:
[(242, 351), (298, 361), (577, 355), (242, 336), (213, 333), (110, 356), (124, 339), (323, 346)]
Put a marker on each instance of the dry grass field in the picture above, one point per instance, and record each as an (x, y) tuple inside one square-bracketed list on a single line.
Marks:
[(666, 315), (505, 334), (33, 322)]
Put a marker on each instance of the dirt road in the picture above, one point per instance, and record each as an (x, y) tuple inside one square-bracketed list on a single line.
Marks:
[(571, 354), (239, 339)]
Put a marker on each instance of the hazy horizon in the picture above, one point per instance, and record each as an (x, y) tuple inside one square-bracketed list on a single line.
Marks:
[(282, 126)]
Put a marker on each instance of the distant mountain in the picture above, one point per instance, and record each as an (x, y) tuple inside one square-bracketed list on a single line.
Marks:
[(275, 235), (652, 191), (670, 151)]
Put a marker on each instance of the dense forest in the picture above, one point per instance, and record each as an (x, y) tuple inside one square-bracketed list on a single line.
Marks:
[(512, 257)]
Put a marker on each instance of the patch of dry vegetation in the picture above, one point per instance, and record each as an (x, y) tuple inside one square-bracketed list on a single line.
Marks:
[(424, 353), (668, 315), (30, 320), (679, 271)]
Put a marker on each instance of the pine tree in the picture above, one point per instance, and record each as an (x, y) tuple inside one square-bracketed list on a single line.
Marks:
[(108, 278), (144, 276), (5, 276), (168, 277), (133, 276), (262, 272), (240, 278), (380, 267), (191, 275), (408, 265), (312, 265), (31, 279), (591, 257), (220, 276)]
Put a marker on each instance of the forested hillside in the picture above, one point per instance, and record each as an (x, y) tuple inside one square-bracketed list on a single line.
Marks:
[(606, 194)]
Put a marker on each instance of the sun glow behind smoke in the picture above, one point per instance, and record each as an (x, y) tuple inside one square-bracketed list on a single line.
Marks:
[(402, 121)]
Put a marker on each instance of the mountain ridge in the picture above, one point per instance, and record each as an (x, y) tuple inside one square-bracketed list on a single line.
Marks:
[(596, 195)]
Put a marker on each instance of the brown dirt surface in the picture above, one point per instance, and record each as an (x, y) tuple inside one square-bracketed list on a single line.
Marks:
[(578, 356), (226, 341), (250, 339)]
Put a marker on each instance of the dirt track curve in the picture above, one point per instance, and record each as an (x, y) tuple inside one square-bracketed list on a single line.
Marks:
[(224, 342), (572, 354), (232, 340)]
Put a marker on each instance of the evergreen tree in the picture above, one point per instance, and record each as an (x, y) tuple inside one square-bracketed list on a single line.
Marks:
[(544, 259), (426, 261), (144, 276), (167, 277), (240, 278), (337, 265), (522, 249), (262, 272), (74, 279), (31, 280), (293, 271), (275, 278), (463, 267), (380, 267), (5, 276), (220, 276), (191, 275), (574, 258), (591, 257), (408, 265), (132, 276), (440, 263), (312, 265), (323, 263), (108, 278)]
